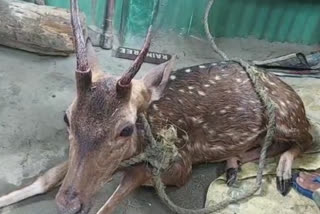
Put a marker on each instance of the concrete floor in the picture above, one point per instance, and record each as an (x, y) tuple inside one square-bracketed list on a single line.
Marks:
[(35, 91)]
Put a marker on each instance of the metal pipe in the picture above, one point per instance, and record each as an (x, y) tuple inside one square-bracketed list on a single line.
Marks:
[(107, 37)]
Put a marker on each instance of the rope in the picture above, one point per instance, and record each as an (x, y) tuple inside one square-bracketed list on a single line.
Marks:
[(209, 35), (161, 155), (255, 75)]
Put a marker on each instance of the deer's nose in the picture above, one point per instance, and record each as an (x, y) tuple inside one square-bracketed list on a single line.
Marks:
[(68, 202)]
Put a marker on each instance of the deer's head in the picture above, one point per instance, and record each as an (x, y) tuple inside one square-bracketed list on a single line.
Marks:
[(103, 129)]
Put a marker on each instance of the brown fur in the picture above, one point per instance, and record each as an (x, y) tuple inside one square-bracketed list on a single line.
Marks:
[(209, 104), (215, 108)]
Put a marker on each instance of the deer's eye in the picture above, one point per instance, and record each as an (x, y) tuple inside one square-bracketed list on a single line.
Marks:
[(127, 131)]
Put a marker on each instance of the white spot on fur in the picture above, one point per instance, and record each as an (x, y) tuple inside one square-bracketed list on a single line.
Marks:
[(284, 128), (254, 129), (188, 70), (180, 101), (181, 90), (282, 103), (228, 91), (201, 93), (213, 113), (221, 135), (238, 80), (223, 111), (155, 107), (197, 120), (244, 82), (202, 66), (180, 121), (205, 126), (206, 85), (185, 137), (212, 132), (173, 77), (283, 113), (212, 82), (200, 120), (217, 148), (252, 101), (227, 107), (214, 64), (170, 88), (240, 109), (190, 87), (217, 77)]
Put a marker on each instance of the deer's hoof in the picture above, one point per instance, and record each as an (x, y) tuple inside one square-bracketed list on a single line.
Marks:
[(231, 175), (284, 185)]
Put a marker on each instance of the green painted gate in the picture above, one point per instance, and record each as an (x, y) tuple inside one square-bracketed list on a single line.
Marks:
[(296, 21)]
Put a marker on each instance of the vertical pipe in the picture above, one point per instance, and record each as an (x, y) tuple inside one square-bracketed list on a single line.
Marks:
[(107, 37)]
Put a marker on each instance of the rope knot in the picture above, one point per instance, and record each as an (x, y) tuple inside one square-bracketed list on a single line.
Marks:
[(161, 155)]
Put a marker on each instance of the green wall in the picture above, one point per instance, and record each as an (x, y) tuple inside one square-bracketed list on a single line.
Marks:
[(296, 21), (94, 9)]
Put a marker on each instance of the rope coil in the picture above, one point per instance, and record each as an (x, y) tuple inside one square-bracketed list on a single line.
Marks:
[(160, 155)]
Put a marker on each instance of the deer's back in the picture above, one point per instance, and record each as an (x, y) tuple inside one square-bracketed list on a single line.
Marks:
[(218, 113)]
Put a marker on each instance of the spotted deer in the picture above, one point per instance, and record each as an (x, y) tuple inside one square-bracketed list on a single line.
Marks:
[(214, 107)]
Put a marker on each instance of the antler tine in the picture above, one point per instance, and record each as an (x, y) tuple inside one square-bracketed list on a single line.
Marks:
[(125, 80), (80, 44)]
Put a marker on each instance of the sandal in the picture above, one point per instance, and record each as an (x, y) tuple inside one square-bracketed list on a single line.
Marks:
[(314, 195)]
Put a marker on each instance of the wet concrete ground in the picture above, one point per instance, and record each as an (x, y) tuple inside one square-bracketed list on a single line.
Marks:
[(35, 91)]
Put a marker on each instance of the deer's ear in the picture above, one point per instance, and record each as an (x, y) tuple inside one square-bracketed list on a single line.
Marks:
[(157, 79)]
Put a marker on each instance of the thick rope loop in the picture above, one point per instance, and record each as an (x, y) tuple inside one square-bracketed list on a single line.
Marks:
[(161, 155)]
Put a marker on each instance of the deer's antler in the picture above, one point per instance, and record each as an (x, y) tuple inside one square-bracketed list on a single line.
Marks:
[(83, 72), (125, 81)]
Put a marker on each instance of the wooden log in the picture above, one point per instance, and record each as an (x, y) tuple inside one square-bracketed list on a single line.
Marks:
[(36, 28)]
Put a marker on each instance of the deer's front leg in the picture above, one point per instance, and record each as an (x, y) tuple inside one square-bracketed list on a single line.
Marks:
[(44, 183), (133, 178), (140, 175)]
